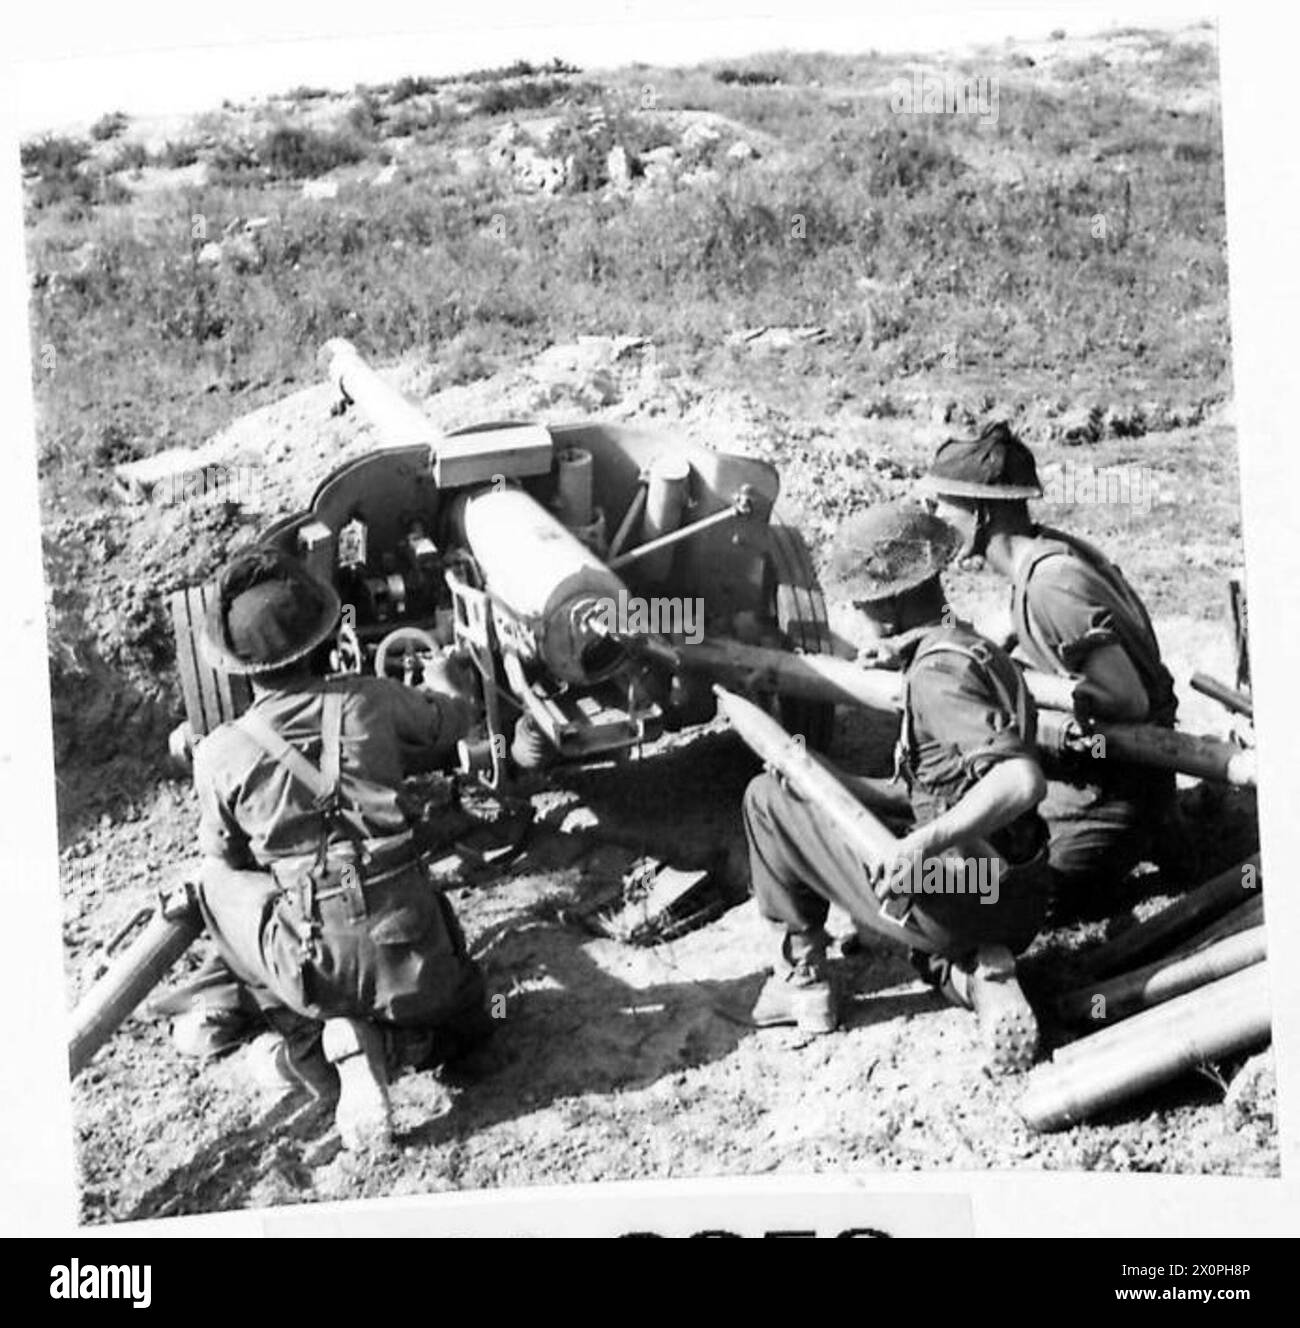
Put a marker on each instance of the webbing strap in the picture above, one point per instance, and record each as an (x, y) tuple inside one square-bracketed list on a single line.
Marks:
[(259, 728), (331, 754), (1017, 705), (1092, 557)]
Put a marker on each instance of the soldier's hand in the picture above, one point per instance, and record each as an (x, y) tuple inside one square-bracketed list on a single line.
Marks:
[(449, 675), (901, 871), (879, 655), (1087, 697), (782, 782)]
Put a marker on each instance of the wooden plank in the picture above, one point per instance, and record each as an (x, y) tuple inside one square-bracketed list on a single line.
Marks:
[(187, 662), (209, 684)]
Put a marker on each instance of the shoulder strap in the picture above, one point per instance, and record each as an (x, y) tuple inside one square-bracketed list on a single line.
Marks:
[(978, 654), (1026, 628), (331, 754), (325, 783), (259, 728), (1107, 570)]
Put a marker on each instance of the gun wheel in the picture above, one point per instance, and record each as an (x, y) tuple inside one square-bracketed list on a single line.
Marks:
[(799, 608), (211, 697)]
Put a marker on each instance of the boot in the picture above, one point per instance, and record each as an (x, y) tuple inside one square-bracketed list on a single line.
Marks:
[(989, 986), (274, 1066), (364, 1115), (799, 992), (209, 1034)]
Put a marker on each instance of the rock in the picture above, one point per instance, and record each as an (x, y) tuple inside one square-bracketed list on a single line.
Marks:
[(1080, 425), (740, 151), (241, 250), (699, 139), (701, 175), (320, 189), (659, 165), (465, 161), (536, 173), (210, 255), (619, 169), (1252, 1095), (221, 467), (385, 177)]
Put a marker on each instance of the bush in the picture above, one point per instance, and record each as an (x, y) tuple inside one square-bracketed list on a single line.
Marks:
[(108, 126), (364, 116), (112, 190), (407, 87), (289, 152), (234, 162), (75, 188), (173, 155), (498, 98), (130, 157), (520, 69), (747, 78), (413, 119), (54, 156)]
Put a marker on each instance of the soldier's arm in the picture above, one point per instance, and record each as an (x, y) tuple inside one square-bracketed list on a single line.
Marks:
[(221, 840), (428, 722), (1070, 605), (950, 700), (1008, 790), (1109, 686)]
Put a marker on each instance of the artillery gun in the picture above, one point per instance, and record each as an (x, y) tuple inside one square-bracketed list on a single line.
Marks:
[(568, 563)]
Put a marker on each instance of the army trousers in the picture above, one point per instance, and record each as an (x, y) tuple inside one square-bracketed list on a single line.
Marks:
[(391, 953), (800, 865), (1099, 832)]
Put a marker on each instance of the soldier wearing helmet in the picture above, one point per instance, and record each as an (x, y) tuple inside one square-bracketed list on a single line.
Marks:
[(328, 929), (972, 782), (1073, 615)]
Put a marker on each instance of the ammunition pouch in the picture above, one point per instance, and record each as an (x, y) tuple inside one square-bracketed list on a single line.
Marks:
[(348, 879)]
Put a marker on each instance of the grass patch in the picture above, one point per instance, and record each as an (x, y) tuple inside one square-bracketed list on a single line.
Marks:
[(925, 268)]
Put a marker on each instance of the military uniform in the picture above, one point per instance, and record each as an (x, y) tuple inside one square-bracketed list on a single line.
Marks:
[(965, 709), (327, 927), (1067, 600), (965, 712), (340, 920)]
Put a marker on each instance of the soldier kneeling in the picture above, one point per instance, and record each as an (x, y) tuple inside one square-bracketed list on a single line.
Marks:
[(968, 885), (325, 920)]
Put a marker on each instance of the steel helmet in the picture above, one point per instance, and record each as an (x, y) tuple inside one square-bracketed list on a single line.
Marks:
[(889, 549)]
